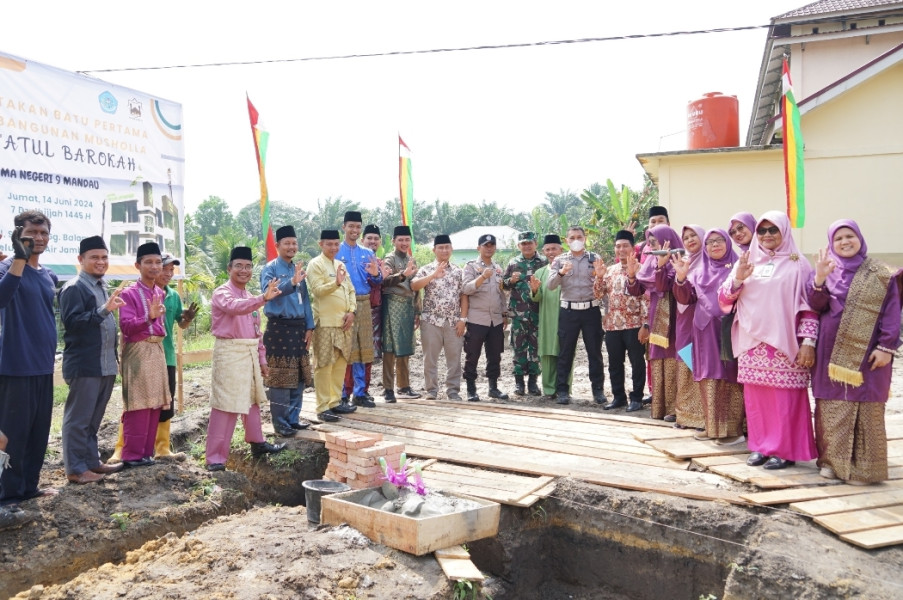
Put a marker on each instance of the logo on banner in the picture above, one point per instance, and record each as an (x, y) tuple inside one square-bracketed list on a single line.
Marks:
[(108, 102), (135, 109)]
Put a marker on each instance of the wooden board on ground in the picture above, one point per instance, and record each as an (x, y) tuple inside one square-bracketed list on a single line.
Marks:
[(457, 551), (815, 493), (662, 434), (743, 472), (827, 506), (775, 482), (507, 488), (683, 448), (860, 520), (876, 538), (458, 569)]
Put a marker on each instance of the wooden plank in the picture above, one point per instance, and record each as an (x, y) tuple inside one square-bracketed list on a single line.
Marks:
[(813, 493), (876, 538), (683, 448), (860, 520), (458, 569), (743, 472), (457, 551), (773, 482), (713, 461), (646, 435), (827, 506)]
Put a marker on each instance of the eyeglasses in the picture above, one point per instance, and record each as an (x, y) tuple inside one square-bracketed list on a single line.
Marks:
[(773, 230), (715, 242), (740, 227), (241, 267)]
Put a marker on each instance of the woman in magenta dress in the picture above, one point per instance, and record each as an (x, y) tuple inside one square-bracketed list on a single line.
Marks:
[(773, 337), (858, 299)]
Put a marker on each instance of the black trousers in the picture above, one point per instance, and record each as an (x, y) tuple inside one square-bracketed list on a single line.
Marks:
[(571, 323), (474, 339), (619, 343), (166, 415), (25, 413)]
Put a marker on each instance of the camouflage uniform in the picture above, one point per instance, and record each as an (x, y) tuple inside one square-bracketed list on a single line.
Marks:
[(524, 314)]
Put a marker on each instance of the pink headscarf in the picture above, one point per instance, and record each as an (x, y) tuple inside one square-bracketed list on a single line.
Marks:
[(707, 279), (767, 308), (662, 234), (747, 219)]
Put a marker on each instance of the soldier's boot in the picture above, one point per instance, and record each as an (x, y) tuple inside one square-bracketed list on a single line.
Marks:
[(495, 392), (532, 387), (472, 391), (519, 388)]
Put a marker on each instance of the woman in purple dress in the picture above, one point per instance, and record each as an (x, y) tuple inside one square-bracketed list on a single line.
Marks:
[(742, 229), (773, 337), (688, 406), (858, 299)]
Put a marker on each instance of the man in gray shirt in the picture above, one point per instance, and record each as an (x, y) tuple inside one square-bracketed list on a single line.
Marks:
[(89, 361), (575, 271), (487, 317)]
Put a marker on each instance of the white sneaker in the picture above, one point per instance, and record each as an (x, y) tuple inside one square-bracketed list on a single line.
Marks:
[(827, 473)]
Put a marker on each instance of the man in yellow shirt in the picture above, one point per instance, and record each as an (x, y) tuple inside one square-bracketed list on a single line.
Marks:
[(334, 304)]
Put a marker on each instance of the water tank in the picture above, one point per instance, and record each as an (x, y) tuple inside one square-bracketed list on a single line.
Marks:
[(713, 122)]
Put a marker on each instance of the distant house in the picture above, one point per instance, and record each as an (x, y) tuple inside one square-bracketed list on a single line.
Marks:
[(846, 63), (465, 243)]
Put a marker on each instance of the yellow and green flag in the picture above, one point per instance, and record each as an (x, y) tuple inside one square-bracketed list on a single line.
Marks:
[(405, 184), (794, 174)]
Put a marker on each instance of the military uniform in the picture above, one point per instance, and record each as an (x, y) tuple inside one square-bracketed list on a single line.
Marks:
[(524, 313)]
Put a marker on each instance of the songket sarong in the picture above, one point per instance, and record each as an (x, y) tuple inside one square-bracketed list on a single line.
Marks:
[(328, 339), (284, 342), (145, 380), (362, 332), (688, 406), (722, 403), (236, 383), (398, 325), (664, 386), (851, 439)]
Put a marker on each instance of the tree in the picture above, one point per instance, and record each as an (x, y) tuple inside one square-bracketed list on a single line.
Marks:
[(561, 203), (213, 215), (610, 209), (281, 213)]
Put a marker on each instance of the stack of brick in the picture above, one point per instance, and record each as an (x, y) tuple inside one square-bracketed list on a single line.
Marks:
[(354, 457)]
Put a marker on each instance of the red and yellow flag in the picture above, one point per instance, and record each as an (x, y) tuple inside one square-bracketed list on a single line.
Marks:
[(794, 174), (405, 184), (261, 138)]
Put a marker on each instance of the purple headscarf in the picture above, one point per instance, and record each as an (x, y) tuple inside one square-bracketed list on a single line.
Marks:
[(708, 279), (662, 234), (842, 276), (747, 219)]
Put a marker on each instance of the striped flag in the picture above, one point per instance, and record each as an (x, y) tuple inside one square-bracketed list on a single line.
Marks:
[(261, 138), (406, 185), (794, 173)]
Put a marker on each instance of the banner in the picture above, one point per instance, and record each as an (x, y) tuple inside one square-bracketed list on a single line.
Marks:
[(95, 158)]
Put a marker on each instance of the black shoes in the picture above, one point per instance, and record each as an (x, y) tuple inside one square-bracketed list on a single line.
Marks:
[(216, 467), (300, 426), (389, 396), (756, 459), (363, 401), (258, 449), (472, 391), (141, 462), (343, 408), (495, 392), (647, 399), (615, 404), (408, 393), (532, 388), (670, 418), (520, 389), (775, 463), (563, 398), (327, 416), (599, 397), (634, 406), (288, 433)]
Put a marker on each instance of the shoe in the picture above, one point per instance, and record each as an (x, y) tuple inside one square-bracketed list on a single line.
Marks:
[(520, 389), (633, 406), (756, 459), (614, 404), (702, 437), (472, 391), (430, 396), (216, 467), (455, 396), (258, 449), (343, 409), (107, 469), (328, 416), (85, 477), (141, 462), (647, 399), (563, 398), (389, 396), (408, 393), (362, 401), (775, 463), (171, 457), (828, 473), (670, 418), (731, 441), (549, 397), (678, 425), (599, 397), (495, 392), (288, 433), (532, 388), (300, 425)]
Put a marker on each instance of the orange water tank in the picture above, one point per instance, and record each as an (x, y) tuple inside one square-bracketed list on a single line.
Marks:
[(713, 122)]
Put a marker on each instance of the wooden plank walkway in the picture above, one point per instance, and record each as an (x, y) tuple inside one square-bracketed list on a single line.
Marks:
[(511, 454)]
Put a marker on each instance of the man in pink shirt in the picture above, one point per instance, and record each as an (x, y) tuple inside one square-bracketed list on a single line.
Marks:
[(239, 362)]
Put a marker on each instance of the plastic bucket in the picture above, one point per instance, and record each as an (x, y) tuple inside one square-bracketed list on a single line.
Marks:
[(314, 489)]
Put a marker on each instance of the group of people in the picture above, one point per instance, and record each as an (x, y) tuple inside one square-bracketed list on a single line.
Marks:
[(733, 337)]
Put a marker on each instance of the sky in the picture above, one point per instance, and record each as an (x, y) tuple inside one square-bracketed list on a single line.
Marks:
[(501, 125)]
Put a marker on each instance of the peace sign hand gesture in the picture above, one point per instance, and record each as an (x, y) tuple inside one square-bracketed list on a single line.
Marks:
[(156, 308), (744, 268), (824, 266)]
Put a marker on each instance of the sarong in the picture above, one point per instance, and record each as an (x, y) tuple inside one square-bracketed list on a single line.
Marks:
[(284, 342), (722, 403), (851, 439), (145, 380), (327, 339), (664, 386), (362, 332), (688, 406), (398, 325), (236, 382)]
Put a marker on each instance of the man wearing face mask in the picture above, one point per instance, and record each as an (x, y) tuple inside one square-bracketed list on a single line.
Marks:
[(575, 272)]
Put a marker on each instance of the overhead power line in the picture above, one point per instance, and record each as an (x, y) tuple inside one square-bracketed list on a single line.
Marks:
[(589, 40)]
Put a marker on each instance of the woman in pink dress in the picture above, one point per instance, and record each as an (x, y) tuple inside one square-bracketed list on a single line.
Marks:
[(773, 338)]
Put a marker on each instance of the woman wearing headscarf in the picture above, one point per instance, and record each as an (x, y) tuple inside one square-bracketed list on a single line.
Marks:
[(722, 396), (657, 276), (741, 229), (773, 337), (858, 299), (688, 409)]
